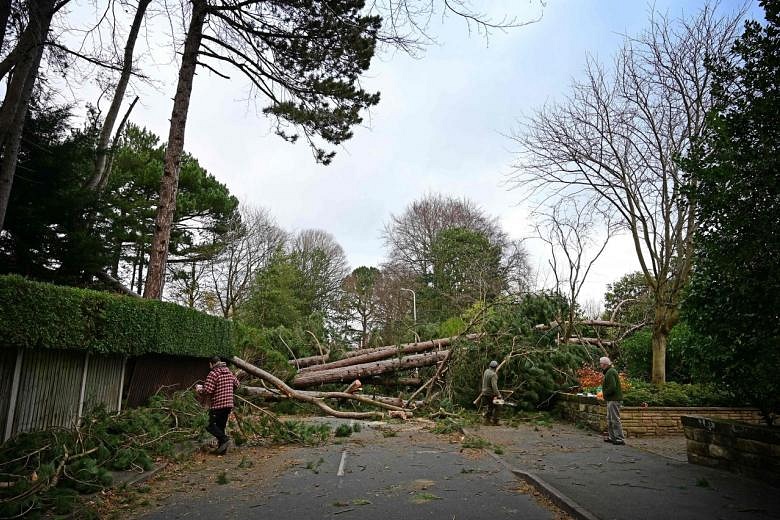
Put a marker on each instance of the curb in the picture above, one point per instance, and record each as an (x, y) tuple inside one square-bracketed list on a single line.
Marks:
[(558, 498), (554, 495)]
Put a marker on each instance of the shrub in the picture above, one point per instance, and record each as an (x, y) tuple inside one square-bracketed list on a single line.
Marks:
[(41, 315), (676, 394)]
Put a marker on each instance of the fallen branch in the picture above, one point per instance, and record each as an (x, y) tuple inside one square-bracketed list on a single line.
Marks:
[(295, 394), (388, 403)]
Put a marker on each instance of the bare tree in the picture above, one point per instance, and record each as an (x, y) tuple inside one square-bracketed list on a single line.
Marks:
[(248, 246), (104, 151), (615, 141), (324, 266), (575, 241), (409, 237)]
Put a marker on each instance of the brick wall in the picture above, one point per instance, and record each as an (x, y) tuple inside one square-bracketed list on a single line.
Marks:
[(652, 421), (745, 449)]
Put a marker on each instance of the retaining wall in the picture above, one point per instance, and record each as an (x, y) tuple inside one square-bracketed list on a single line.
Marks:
[(651, 421), (750, 450)]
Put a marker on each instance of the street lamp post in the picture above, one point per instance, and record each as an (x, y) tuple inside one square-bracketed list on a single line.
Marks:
[(414, 304)]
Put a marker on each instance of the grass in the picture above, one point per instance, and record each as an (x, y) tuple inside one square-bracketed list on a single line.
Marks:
[(421, 498), (343, 430), (472, 441), (222, 478), (314, 466), (703, 483)]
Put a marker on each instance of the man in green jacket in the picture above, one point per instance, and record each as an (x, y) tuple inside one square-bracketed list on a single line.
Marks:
[(613, 395), (490, 392)]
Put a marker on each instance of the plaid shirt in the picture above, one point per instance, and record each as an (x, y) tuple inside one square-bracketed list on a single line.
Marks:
[(219, 386)]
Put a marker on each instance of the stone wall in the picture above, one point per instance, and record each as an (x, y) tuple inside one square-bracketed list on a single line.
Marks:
[(745, 449), (651, 421)]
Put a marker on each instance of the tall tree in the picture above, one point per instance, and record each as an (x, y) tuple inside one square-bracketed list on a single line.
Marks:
[(22, 63), (305, 59), (466, 270), (251, 241), (323, 263), (616, 138), (360, 302), (734, 293)]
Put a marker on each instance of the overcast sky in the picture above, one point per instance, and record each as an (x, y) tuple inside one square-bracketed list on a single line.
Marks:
[(440, 127)]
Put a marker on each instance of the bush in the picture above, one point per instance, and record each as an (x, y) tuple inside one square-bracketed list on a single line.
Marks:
[(636, 354), (676, 394), (41, 315)]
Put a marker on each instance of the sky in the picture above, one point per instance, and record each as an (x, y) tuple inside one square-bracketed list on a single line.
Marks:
[(442, 126)]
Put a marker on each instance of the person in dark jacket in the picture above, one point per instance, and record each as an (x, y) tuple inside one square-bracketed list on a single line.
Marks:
[(613, 395), (490, 392), (219, 387)]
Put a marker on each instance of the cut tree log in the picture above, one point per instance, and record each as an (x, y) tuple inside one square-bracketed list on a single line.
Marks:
[(352, 372), (377, 354), (389, 403), (397, 381), (295, 394), (309, 361)]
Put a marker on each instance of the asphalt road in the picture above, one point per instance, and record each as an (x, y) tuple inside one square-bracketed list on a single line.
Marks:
[(371, 475)]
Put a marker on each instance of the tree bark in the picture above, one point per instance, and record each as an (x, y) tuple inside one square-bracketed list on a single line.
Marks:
[(19, 91), (158, 256), (102, 165), (352, 372), (295, 394), (665, 319), (309, 361), (377, 354)]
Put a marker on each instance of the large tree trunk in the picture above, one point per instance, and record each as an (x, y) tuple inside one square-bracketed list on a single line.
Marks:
[(352, 372), (19, 92), (309, 361), (158, 256), (295, 394), (102, 165), (376, 354), (665, 318)]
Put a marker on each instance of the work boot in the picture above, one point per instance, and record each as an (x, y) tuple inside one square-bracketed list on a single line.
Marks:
[(223, 447)]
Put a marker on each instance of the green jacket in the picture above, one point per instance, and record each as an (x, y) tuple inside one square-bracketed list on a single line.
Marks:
[(610, 388), (490, 383)]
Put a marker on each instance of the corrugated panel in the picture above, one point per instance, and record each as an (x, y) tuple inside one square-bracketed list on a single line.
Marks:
[(104, 382), (7, 362), (49, 389), (154, 372)]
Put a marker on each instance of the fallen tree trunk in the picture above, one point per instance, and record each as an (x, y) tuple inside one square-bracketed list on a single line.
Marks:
[(309, 361), (389, 403), (377, 354), (352, 372), (398, 381), (295, 394)]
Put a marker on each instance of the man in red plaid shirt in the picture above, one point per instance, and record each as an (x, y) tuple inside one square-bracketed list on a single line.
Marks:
[(219, 387)]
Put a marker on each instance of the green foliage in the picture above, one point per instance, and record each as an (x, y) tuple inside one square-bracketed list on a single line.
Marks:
[(675, 394), (58, 229), (473, 441), (466, 269), (681, 354), (81, 459), (343, 430), (733, 296), (636, 297), (536, 368), (40, 315)]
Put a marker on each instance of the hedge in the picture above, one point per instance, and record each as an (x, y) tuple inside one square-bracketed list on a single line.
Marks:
[(40, 315)]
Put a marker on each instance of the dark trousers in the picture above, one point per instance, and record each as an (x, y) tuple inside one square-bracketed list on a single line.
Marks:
[(217, 422), (492, 410)]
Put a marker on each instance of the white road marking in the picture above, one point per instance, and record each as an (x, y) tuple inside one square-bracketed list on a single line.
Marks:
[(340, 472)]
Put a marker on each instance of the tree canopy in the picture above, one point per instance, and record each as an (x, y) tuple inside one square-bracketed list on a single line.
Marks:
[(734, 295)]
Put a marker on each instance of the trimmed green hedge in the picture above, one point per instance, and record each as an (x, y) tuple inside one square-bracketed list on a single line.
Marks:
[(41, 315)]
